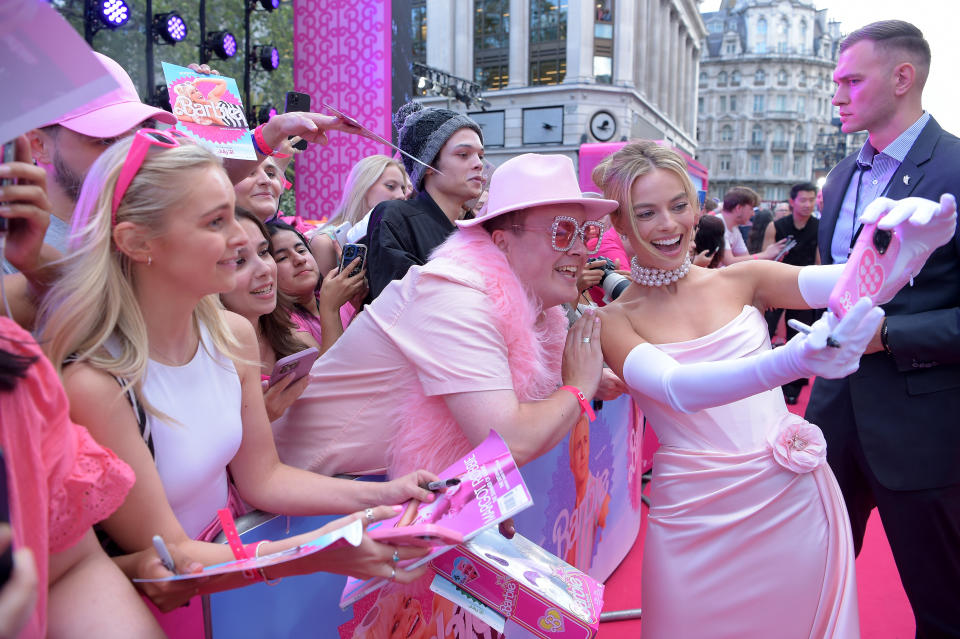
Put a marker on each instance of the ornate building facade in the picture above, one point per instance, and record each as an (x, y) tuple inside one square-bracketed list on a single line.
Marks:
[(559, 73), (765, 118)]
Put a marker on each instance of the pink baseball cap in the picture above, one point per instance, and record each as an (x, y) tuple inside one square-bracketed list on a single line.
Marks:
[(113, 113)]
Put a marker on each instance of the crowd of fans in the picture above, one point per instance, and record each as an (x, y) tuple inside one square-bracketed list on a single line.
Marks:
[(162, 285)]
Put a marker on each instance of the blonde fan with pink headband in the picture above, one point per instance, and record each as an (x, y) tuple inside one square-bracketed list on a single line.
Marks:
[(134, 323)]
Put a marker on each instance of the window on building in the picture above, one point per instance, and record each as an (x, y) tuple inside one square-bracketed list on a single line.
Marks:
[(780, 135), (783, 35), (754, 164), (802, 80), (759, 77), (731, 47), (715, 27), (778, 164), (548, 41), (781, 103), (803, 36), (418, 30), (726, 133), (733, 103), (756, 134), (758, 104), (735, 79), (798, 167), (491, 43), (775, 193), (722, 79), (603, 42), (798, 136), (782, 77), (703, 78), (723, 104), (700, 105), (725, 162), (761, 45)]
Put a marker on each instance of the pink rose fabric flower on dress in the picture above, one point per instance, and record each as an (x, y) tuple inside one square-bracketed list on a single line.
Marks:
[(797, 444)]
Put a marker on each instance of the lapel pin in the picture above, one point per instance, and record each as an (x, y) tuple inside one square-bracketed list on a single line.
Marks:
[(906, 180)]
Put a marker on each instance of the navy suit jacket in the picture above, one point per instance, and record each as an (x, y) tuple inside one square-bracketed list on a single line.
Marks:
[(906, 407)]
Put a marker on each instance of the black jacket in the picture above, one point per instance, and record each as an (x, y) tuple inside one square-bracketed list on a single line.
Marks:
[(402, 233), (907, 407)]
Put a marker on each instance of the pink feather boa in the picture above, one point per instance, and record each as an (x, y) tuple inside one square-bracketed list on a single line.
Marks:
[(427, 435)]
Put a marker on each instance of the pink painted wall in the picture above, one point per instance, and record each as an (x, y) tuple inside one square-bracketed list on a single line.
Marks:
[(342, 58)]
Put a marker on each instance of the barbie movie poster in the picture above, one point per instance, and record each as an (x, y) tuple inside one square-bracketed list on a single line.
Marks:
[(209, 110)]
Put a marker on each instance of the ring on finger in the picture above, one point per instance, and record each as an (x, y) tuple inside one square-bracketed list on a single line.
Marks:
[(396, 555), (368, 513), (393, 573), (586, 340)]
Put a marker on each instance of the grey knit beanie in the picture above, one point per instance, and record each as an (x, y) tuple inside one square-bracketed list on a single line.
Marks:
[(423, 132)]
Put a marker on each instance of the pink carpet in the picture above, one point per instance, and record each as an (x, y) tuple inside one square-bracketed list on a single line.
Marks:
[(884, 610)]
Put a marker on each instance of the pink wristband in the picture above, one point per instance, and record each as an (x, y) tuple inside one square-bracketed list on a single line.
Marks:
[(585, 407), (261, 144)]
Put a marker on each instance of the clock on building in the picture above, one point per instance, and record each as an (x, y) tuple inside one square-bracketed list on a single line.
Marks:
[(603, 126)]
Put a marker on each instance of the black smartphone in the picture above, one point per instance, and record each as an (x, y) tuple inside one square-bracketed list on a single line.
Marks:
[(6, 559), (350, 253), (297, 101)]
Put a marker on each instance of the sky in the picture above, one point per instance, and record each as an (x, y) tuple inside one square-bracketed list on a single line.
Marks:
[(938, 19)]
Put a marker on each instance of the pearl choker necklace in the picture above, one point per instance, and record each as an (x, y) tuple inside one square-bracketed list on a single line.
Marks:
[(657, 276)]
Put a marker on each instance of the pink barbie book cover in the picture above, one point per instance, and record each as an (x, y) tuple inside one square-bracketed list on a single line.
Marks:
[(491, 489), (351, 534), (524, 583), (209, 110)]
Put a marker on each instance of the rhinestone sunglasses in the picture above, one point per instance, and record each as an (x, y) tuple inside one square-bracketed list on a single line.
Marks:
[(565, 230)]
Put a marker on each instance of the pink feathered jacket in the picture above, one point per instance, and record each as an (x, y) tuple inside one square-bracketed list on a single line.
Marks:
[(428, 436)]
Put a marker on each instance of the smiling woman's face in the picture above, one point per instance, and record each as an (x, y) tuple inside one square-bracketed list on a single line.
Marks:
[(663, 218)]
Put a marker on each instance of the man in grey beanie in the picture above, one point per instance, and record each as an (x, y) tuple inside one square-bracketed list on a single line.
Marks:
[(404, 232)]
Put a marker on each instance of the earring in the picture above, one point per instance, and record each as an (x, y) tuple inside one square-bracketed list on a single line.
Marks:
[(623, 237), (149, 260)]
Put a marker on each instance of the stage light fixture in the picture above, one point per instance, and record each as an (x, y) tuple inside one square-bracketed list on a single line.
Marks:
[(267, 55), (221, 43), (114, 13), (261, 113), (270, 5), (170, 27)]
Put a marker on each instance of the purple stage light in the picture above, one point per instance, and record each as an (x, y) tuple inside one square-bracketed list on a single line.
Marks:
[(268, 57), (221, 43), (270, 5), (176, 27), (114, 13), (229, 44), (170, 27)]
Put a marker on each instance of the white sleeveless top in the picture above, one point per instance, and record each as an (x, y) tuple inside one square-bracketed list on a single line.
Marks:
[(192, 452)]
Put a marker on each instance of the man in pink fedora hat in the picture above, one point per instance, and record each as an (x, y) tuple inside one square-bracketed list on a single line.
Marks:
[(68, 146), (471, 341)]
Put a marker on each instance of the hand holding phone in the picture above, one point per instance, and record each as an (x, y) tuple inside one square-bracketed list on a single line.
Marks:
[(297, 365), (869, 266), (350, 253), (297, 101)]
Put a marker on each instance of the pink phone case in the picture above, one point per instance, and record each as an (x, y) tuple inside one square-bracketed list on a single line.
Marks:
[(297, 364), (867, 269), (423, 535)]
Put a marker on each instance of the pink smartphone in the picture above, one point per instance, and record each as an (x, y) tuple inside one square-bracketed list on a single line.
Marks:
[(867, 269), (423, 535), (297, 364)]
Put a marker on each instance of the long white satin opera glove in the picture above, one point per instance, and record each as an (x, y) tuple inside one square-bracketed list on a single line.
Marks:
[(689, 388), (922, 226)]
